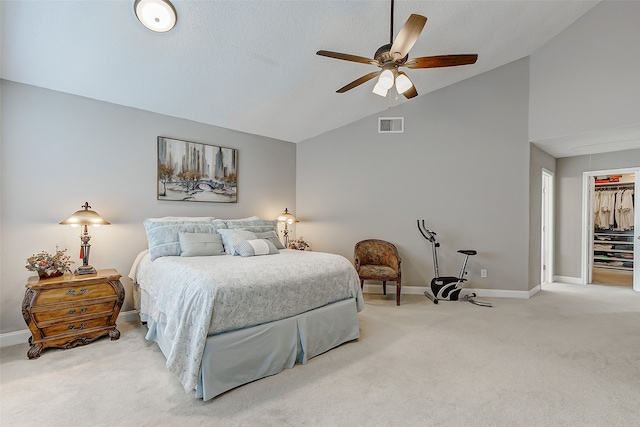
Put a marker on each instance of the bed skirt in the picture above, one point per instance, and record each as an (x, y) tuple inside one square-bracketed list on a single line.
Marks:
[(234, 358)]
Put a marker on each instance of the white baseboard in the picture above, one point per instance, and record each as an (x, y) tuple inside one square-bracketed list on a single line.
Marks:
[(21, 337), (419, 290), (568, 279)]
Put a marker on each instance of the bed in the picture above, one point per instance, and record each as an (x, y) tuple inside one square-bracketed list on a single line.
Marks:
[(246, 311)]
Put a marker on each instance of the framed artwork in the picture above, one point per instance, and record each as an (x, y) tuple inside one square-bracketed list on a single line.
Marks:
[(193, 172)]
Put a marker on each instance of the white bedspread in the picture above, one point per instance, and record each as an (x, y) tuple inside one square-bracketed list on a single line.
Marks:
[(200, 296)]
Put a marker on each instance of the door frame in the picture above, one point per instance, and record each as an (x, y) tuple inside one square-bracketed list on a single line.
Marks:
[(588, 185), (547, 236)]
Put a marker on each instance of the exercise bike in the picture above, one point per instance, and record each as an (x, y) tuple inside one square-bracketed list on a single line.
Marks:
[(448, 288)]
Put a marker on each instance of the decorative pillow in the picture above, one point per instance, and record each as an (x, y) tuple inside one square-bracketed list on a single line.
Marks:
[(163, 236), (231, 238), (255, 247), (254, 224), (273, 236), (200, 244)]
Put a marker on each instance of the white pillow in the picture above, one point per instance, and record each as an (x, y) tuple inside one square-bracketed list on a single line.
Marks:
[(231, 238), (182, 218), (254, 224), (200, 244), (256, 247)]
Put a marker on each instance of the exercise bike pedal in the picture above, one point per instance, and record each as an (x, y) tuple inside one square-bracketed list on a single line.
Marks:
[(431, 297)]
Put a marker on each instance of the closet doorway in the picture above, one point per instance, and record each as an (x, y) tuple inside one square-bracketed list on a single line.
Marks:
[(611, 241)]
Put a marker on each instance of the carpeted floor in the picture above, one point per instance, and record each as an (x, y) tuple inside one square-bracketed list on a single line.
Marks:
[(569, 356)]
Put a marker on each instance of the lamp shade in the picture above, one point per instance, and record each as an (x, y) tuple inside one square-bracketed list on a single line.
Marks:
[(157, 15), (287, 217), (378, 90), (385, 81), (85, 216), (403, 83)]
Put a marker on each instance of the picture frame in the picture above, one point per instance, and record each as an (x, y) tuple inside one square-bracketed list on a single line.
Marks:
[(196, 172)]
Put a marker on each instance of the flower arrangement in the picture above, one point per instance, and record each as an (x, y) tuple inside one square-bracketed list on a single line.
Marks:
[(299, 244), (48, 265)]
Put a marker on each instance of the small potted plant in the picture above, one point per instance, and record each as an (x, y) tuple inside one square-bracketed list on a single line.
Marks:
[(48, 265), (299, 244)]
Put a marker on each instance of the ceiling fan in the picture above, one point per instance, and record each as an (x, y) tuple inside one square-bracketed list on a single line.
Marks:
[(390, 57)]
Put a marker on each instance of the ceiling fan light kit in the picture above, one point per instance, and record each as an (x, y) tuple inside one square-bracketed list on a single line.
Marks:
[(403, 83), (157, 15), (386, 79), (379, 90), (390, 57)]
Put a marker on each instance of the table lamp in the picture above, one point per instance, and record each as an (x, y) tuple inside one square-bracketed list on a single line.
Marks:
[(287, 218), (83, 218)]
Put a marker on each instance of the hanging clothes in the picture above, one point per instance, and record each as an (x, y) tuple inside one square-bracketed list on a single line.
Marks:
[(613, 209), (624, 211)]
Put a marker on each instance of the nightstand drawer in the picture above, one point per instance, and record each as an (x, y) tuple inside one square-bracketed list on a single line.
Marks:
[(74, 326), (74, 293), (73, 311)]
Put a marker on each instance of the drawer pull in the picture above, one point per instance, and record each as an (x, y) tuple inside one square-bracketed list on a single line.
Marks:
[(73, 311), (82, 326), (73, 291)]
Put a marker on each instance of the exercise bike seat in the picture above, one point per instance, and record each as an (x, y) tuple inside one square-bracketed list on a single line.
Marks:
[(468, 252)]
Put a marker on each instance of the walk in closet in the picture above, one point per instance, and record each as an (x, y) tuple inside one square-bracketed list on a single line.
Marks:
[(613, 234)]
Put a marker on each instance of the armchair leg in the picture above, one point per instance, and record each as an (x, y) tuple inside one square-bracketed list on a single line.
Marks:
[(384, 287), (362, 284), (398, 293)]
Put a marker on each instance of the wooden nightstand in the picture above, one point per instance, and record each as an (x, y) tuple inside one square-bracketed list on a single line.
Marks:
[(69, 311)]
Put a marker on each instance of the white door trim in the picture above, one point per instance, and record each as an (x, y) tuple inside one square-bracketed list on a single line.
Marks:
[(588, 180), (547, 227)]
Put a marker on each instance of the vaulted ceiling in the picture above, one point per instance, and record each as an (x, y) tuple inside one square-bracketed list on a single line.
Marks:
[(252, 66)]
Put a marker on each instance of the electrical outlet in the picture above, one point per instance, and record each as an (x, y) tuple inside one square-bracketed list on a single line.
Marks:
[(483, 272)]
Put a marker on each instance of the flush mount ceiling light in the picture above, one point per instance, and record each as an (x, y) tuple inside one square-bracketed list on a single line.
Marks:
[(156, 15)]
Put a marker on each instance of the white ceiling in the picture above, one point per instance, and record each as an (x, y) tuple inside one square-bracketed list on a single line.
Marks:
[(251, 65)]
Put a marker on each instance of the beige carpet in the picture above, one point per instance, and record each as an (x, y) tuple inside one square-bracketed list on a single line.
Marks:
[(570, 356)]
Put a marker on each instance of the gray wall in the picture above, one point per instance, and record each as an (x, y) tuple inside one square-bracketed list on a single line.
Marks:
[(60, 150), (538, 160), (586, 78), (462, 165), (569, 173)]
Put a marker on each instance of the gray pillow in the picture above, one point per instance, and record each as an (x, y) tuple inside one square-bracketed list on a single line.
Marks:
[(255, 247), (200, 244), (271, 235), (231, 238)]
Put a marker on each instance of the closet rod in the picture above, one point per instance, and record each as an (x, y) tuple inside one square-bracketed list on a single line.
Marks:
[(615, 186)]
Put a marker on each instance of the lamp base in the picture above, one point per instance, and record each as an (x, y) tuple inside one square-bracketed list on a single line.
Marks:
[(85, 269)]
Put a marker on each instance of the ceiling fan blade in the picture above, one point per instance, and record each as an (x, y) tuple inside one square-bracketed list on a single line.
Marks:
[(441, 61), (411, 92), (347, 57), (407, 36), (358, 82)]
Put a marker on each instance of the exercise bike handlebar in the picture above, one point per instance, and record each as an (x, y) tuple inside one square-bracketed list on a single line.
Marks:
[(427, 234)]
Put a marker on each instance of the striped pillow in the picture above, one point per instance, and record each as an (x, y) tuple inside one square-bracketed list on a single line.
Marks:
[(256, 247)]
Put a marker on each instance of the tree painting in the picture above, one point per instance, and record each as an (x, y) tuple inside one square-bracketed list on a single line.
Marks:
[(194, 172)]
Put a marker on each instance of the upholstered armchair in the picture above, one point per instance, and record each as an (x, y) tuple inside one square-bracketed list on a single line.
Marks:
[(378, 260)]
